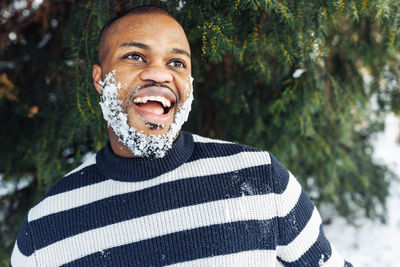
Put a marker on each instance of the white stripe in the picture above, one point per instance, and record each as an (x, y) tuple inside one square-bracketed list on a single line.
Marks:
[(242, 259), (300, 245), (292, 193), (20, 260), (288, 198), (90, 161), (87, 194), (256, 207), (335, 259), (201, 139)]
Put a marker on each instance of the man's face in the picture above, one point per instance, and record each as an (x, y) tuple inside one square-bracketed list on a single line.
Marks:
[(145, 80), (151, 58)]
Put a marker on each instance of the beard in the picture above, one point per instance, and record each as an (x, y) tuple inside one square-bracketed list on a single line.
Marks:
[(137, 142)]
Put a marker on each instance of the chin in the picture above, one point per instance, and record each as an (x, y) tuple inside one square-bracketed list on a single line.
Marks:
[(155, 131), (149, 128)]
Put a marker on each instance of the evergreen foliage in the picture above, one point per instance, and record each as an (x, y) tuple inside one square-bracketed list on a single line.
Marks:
[(307, 80)]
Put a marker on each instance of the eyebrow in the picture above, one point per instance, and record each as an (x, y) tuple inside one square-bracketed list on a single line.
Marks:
[(180, 51), (136, 44), (146, 47)]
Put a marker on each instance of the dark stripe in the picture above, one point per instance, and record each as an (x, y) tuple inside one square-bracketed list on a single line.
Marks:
[(24, 239), (280, 175), (292, 224), (167, 196), (187, 245), (215, 150), (87, 176), (320, 249)]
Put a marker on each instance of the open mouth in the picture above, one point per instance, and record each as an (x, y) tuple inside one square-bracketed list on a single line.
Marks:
[(155, 106)]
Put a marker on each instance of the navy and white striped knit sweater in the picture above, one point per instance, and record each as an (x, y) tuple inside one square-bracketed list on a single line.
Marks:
[(206, 203)]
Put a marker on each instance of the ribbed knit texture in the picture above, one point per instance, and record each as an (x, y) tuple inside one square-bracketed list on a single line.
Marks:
[(206, 203)]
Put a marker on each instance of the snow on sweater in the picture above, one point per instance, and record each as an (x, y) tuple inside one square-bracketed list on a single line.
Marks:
[(206, 203)]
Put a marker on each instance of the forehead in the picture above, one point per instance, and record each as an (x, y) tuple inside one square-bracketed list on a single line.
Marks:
[(153, 29)]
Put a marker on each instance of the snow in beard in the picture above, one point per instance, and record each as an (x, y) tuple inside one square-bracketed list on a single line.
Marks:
[(138, 143)]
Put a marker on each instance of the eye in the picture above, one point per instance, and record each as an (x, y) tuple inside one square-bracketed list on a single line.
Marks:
[(176, 63), (134, 56)]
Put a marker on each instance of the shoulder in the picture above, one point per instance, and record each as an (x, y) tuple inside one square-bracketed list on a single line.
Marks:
[(55, 200), (202, 139), (90, 160), (258, 166), (243, 157), (214, 148), (84, 175), (255, 171)]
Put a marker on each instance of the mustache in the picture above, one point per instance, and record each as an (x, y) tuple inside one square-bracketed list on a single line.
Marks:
[(151, 85)]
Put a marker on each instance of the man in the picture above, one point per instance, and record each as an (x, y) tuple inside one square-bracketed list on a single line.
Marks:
[(155, 195)]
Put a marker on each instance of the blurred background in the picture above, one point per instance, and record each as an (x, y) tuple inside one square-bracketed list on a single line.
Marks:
[(313, 82)]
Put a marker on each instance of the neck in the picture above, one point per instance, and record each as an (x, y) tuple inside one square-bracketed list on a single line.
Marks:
[(130, 168), (117, 147)]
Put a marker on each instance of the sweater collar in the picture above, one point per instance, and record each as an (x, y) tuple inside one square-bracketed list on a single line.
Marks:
[(140, 169)]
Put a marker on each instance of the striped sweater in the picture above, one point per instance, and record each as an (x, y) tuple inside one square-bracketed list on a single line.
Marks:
[(206, 203)]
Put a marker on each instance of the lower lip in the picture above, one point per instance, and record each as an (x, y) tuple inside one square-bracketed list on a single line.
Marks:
[(158, 119)]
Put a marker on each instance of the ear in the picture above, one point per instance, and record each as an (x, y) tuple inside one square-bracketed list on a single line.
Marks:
[(97, 77)]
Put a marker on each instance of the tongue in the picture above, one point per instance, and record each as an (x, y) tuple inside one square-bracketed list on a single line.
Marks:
[(153, 107)]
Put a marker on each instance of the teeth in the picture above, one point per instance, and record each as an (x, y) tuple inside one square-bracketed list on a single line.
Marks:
[(165, 102)]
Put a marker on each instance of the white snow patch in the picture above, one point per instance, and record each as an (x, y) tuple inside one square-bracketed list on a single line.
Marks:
[(321, 261), (297, 73), (8, 187), (372, 243), (36, 4), (12, 36), (19, 4)]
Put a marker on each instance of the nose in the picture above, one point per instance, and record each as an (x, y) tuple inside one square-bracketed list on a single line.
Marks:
[(156, 73)]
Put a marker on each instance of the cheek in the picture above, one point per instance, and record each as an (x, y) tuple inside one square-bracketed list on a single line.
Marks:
[(126, 77), (126, 91), (124, 96), (185, 88), (132, 119)]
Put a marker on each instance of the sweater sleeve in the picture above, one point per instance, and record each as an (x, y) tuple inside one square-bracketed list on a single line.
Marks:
[(301, 240), (24, 252)]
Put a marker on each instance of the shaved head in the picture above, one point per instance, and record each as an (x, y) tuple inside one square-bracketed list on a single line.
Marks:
[(108, 27)]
